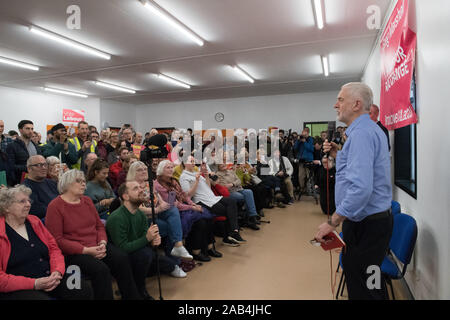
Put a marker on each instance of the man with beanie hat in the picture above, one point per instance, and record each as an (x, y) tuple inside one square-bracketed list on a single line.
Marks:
[(60, 147)]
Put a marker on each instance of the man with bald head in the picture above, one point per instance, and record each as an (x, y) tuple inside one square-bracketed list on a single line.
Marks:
[(44, 190), (363, 193), (374, 113)]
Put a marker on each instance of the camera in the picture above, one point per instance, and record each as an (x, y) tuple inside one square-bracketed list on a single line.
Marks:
[(213, 177), (154, 148)]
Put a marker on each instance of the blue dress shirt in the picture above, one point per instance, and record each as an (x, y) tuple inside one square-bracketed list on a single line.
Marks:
[(363, 171)]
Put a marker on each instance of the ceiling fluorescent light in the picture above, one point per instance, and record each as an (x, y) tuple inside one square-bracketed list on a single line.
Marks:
[(326, 70), (69, 42), (174, 81), (243, 74), (174, 22), (19, 64), (114, 87), (319, 13), (70, 93)]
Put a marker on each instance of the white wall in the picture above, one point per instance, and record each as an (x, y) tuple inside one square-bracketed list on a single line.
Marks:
[(117, 113), (429, 277), (42, 108), (283, 111)]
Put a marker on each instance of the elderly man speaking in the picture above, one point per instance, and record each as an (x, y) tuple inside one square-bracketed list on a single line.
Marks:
[(363, 192)]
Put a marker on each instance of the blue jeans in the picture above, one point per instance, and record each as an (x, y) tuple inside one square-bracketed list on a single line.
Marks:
[(247, 196), (169, 224)]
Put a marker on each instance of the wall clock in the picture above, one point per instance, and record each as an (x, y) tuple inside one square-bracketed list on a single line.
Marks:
[(219, 117)]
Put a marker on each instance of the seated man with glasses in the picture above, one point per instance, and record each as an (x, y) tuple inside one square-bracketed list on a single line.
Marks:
[(44, 190)]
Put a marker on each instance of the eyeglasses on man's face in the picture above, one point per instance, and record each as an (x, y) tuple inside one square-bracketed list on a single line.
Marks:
[(40, 165)]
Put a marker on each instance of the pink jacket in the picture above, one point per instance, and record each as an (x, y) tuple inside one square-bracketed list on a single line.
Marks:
[(9, 283), (164, 193)]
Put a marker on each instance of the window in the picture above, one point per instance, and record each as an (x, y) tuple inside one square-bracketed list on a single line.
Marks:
[(405, 153), (315, 128)]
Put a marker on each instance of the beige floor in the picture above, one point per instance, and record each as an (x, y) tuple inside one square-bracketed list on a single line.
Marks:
[(278, 262)]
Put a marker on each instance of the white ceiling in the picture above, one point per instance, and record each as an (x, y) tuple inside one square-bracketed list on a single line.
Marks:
[(275, 41)]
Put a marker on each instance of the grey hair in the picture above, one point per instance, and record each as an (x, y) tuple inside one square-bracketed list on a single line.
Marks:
[(30, 159), (161, 166), (359, 90), (8, 196), (52, 160), (69, 178), (131, 175)]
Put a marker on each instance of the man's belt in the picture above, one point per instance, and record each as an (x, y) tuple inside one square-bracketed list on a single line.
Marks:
[(379, 215)]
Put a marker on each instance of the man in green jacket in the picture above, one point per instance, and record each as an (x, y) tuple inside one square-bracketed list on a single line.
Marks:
[(128, 229), (60, 147)]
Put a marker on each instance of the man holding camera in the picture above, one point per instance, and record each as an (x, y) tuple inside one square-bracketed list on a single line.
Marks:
[(60, 146), (304, 152)]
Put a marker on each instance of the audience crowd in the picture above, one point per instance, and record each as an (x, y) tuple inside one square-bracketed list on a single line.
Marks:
[(85, 200)]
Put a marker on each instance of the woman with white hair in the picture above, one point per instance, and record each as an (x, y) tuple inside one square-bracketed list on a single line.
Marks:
[(55, 168), (168, 218), (31, 264), (196, 220), (74, 222)]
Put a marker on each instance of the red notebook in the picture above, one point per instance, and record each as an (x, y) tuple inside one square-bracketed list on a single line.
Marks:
[(332, 241)]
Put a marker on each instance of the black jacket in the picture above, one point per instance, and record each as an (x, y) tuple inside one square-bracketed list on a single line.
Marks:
[(8, 167), (18, 155)]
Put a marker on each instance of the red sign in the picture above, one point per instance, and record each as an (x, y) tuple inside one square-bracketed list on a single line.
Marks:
[(398, 53), (70, 115)]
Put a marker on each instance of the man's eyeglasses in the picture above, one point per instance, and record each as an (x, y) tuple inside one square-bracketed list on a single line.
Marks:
[(39, 165)]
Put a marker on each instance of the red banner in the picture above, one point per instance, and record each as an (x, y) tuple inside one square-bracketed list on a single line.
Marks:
[(75, 116), (398, 52)]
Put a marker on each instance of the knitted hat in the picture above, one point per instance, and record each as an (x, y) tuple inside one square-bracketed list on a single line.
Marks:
[(58, 126)]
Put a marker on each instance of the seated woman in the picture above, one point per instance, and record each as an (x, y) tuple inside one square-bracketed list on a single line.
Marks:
[(168, 218), (196, 221), (74, 222), (98, 188), (55, 169), (199, 189), (229, 179), (268, 180), (31, 264), (249, 180)]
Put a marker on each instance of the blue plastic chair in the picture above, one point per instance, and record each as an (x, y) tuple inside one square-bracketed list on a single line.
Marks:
[(395, 207), (401, 245), (403, 241)]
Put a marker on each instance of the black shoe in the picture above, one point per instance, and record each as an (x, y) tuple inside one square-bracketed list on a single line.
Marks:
[(253, 226), (280, 205), (230, 242), (261, 213), (252, 223), (201, 257), (146, 296), (236, 236), (214, 253)]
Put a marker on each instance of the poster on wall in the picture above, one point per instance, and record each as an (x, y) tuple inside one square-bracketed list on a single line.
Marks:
[(398, 52), (73, 115)]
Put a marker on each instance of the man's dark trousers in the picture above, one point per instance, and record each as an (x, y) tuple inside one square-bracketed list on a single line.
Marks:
[(367, 243)]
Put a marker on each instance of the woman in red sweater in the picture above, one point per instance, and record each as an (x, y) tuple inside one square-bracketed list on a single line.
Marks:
[(31, 264), (76, 226)]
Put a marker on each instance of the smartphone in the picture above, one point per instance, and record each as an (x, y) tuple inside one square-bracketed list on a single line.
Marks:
[(172, 198)]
